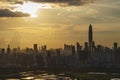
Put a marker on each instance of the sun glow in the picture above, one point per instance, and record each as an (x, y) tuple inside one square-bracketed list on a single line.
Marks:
[(31, 8)]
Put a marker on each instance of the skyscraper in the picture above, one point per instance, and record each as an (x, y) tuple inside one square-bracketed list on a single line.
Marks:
[(35, 47), (8, 49), (90, 37)]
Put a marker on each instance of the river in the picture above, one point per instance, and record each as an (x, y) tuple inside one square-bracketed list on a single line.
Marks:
[(43, 75)]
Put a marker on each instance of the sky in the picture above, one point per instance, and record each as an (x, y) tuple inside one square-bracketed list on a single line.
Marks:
[(55, 22)]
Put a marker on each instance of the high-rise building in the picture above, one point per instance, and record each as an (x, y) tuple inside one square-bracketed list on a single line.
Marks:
[(79, 47), (90, 43), (86, 46), (35, 47), (8, 49), (43, 47), (3, 51), (115, 46), (90, 37)]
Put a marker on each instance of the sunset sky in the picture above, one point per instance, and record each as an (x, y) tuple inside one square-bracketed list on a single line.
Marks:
[(55, 22)]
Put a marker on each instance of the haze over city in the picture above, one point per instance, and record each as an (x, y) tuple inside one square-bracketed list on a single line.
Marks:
[(55, 22)]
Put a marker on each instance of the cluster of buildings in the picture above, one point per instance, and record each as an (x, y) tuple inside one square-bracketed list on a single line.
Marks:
[(89, 55)]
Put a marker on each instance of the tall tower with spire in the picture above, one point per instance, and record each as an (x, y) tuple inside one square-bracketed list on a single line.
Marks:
[(90, 41), (90, 37)]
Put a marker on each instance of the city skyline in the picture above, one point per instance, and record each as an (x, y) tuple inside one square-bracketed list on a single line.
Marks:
[(71, 56), (90, 44), (25, 22)]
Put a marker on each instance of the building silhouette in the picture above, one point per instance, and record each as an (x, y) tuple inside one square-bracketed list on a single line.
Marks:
[(90, 36), (90, 43), (8, 49), (35, 47), (88, 55)]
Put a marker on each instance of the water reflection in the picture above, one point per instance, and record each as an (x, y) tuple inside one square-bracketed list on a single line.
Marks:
[(98, 73), (41, 75), (28, 78), (115, 79)]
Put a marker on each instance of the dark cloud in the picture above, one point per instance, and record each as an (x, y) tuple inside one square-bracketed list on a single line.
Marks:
[(68, 2), (9, 13), (18, 2), (13, 1)]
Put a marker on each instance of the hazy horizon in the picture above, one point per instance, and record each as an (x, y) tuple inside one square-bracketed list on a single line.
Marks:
[(25, 22)]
